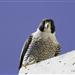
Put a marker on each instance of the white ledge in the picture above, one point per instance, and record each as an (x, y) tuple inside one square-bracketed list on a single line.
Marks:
[(63, 64)]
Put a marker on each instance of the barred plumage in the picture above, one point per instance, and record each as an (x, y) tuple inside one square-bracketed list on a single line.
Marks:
[(40, 45), (41, 50)]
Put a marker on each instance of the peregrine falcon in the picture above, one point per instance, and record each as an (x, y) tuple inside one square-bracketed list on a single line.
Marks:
[(40, 45)]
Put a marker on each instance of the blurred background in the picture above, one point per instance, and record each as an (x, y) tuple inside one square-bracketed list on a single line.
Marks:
[(18, 19)]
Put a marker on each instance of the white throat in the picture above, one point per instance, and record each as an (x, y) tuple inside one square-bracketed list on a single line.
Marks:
[(45, 35)]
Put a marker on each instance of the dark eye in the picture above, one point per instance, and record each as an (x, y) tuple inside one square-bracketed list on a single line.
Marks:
[(48, 26), (41, 27), (52, 27)]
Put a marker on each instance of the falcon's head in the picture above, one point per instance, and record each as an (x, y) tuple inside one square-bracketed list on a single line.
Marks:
[(47, 25)]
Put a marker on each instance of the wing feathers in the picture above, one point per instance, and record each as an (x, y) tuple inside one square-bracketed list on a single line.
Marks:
[(24, 49)]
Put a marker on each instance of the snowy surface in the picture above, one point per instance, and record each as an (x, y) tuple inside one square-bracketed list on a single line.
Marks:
[(63, 64)]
